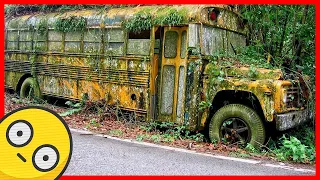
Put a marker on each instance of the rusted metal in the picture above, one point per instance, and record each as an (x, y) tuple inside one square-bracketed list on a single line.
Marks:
[(291, 119), (157, 76)]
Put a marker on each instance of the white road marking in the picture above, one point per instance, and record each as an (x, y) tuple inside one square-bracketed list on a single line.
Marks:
[(289, 168)]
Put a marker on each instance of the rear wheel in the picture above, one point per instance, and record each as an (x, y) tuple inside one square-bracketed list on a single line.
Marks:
[(29, 89), (236, 123)]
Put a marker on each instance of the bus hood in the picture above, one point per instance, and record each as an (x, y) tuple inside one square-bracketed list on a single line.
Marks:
[(243, 72)]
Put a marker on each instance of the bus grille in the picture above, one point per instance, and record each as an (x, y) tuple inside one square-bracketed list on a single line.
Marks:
[(294, 97)]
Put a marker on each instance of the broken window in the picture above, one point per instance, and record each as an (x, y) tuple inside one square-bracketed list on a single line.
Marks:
[(139, 43)]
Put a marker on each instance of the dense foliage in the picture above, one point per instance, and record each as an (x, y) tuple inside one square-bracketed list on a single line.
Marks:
[(286, 33), (16, 10), (70, 24), (285, 36)]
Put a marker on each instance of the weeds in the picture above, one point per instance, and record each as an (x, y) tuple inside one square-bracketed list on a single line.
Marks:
[(167, 132), (75, 108), (115, 132), (172, 18), (292, 149), (93, 123), (70, 24), (144, 21), (297, 145), (138, 23)]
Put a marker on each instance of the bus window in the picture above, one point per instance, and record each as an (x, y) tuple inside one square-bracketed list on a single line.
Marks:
[(170, 44), (181, 91), (12, 41), (167, 89), (91, 41), (114, 41), (139, 43), (25, 41), (183, 45), (55, 41), (72, 42)]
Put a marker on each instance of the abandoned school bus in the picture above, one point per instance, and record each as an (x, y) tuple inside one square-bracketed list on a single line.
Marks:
[(154, 61)]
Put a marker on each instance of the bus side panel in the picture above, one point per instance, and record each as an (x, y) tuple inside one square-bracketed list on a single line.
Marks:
[(192, 94)]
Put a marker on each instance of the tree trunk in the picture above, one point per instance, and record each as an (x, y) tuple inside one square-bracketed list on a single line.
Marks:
[(283, 33), (300, 42)]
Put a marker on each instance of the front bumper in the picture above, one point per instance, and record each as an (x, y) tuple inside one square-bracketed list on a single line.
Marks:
[(291, 119)]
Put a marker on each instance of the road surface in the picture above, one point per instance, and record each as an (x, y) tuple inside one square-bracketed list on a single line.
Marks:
[(94, 155)]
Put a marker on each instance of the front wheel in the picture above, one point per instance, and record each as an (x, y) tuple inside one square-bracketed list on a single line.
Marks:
[(29, 89), (236, 123)]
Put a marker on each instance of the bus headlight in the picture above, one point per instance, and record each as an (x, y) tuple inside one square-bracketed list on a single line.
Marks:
[(284, 97)]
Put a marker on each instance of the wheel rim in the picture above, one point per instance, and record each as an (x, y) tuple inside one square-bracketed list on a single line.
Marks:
[(235, 130)]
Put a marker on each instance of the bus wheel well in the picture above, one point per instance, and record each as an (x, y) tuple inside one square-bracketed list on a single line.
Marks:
[(226, 97), (25, 76)]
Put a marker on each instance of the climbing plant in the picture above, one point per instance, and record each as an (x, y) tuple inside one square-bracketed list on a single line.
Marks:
[(144, 20), (173, 17), (138, 23), (70, 24), (42, 27)]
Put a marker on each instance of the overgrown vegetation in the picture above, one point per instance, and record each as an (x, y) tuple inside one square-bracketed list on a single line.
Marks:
[(173, 17), (157, 132), (16, 10), (144, 20), (167, 132), (280, 36), (285, 36), (42, 27), (291, 146), (297, 145), (138, 23), (70, 24), (98, 117)]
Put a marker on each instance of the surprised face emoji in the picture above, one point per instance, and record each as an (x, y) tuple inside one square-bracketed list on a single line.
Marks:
[(35, 143)]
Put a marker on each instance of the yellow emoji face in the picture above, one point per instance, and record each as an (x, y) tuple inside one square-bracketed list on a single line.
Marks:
[(35, 143)]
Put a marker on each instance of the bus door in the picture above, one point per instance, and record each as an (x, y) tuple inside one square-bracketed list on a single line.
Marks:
[(173, 75)]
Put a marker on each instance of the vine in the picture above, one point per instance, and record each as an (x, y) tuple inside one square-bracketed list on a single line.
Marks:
[(42, 27), (144, 20), (138, 23), (70, 24), (171, 19)]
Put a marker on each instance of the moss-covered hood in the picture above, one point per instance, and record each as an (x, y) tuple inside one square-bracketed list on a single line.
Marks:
[(243, 72)]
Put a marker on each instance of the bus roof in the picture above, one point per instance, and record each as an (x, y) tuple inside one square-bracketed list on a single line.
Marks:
[(228, 18)]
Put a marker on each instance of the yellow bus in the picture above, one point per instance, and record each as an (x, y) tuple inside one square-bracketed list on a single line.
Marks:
[(155, 61)]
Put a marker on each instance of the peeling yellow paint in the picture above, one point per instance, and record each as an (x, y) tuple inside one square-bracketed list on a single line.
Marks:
[(135, 82)]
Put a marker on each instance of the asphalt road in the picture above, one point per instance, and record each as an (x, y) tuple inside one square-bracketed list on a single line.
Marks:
[(93, 155)]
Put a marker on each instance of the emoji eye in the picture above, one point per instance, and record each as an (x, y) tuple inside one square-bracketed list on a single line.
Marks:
[(19, 133), (45, 158)]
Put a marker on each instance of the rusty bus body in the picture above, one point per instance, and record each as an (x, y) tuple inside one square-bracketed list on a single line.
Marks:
[(152, 73)]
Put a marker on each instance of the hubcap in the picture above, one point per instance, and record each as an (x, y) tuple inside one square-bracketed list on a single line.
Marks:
[(235, 130)]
